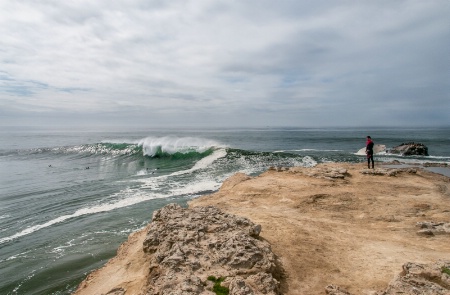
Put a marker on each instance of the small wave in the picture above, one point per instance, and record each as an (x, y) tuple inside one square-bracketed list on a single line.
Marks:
[(195, 188), (137, 197), (439, 158), (412, 157), (59, 250), (16, 256)]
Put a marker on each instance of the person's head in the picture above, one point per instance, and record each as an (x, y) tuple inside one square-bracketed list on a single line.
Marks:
[(368, 137)]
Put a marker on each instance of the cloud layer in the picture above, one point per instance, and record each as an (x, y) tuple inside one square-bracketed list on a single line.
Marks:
[(225, 63)]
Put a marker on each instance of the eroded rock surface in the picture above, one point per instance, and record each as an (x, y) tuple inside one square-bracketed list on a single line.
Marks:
[(430, 228), (388, 171), (424, 279), (189, 245), (320, 172)]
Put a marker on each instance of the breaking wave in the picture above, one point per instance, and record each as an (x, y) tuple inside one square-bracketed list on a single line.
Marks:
[(169, 146)]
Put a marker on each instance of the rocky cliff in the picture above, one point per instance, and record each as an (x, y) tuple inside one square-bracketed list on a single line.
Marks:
[(336, 228)]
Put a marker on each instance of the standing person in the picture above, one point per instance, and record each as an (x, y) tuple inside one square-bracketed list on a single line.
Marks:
[(369, 152)]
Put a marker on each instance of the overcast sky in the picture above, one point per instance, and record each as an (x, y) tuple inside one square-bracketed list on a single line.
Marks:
[(224, 63)]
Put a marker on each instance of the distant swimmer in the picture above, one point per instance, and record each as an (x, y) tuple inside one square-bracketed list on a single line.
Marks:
[(87, 167), (50, 165)]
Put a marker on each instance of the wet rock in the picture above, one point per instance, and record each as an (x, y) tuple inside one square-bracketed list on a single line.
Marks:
[(410, 149)]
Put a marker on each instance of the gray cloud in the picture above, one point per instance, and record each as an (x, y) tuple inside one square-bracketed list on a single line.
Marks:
[(206, 63)]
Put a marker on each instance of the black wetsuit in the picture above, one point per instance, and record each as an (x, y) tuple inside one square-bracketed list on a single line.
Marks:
[(369, 152)]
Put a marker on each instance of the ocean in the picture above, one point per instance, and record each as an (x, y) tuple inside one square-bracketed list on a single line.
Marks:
[(69, 198)]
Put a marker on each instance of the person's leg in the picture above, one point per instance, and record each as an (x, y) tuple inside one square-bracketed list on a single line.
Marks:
[(373, 164)]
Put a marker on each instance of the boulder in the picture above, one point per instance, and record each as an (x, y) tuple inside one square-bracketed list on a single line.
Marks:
[(187, 246), (410, 149)]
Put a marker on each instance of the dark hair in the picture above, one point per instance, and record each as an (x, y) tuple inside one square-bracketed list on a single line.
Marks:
[(368, 136)]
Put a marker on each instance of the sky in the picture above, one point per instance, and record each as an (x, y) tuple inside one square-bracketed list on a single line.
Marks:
[(205, 63)]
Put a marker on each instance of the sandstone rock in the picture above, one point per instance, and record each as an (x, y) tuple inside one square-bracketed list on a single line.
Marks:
[(335, 290), (410, 149), (117, 291), (321, 172), (376, 172), (430, 228), (388, 172), (189, 245), (424, 279)]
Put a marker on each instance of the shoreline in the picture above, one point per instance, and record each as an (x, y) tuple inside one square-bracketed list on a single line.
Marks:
[(334, 223)]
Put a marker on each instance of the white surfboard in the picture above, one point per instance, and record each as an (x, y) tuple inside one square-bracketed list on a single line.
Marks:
[(377, 148)]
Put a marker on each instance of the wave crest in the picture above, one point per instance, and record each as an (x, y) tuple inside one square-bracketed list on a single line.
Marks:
[(160, 146)]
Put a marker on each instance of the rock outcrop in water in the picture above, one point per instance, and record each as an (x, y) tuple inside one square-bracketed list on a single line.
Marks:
[(410, 149), (190, 245)]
